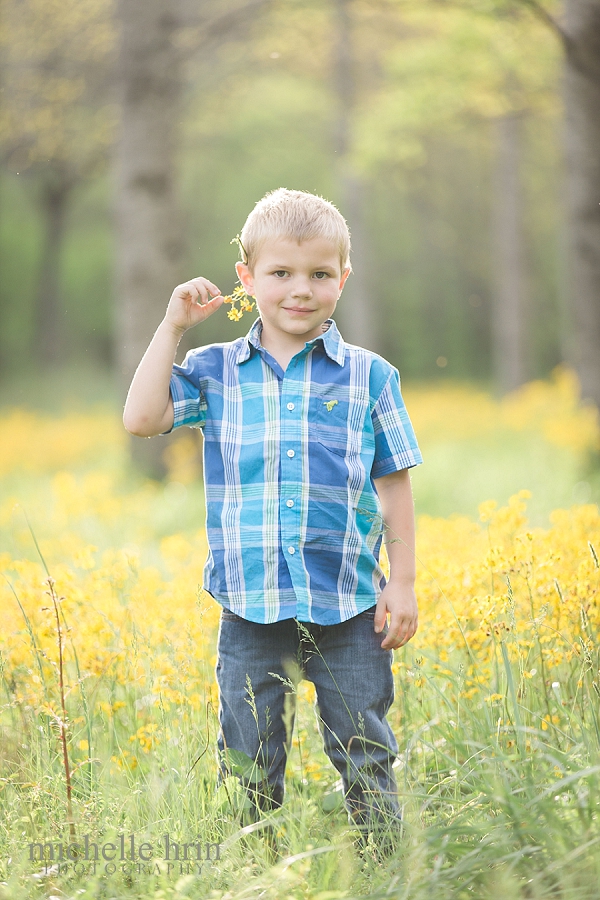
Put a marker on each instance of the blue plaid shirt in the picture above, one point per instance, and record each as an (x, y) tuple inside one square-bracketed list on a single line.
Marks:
[(292, 515)]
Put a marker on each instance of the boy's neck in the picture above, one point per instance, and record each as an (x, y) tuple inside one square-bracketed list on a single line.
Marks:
[(283, 347)]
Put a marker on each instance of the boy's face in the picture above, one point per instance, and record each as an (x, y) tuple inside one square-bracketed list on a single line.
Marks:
[(296, 286)]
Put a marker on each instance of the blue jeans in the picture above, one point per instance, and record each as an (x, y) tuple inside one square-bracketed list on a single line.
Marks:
[(354, 687)]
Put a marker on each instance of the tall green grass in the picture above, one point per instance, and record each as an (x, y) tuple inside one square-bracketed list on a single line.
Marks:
[(497, 800)]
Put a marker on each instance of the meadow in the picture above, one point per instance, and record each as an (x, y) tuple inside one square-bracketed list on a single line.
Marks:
[(108, 709)]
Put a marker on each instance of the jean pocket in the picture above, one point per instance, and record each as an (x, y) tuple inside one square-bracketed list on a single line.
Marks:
[(229, 616)]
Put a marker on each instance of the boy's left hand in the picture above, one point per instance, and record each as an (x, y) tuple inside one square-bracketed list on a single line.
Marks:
[(399, 600)]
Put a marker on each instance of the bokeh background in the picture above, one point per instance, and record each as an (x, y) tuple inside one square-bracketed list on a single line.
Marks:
[(423, 121), (458, 137)]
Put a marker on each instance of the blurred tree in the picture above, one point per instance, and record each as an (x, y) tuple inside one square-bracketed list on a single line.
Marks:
[(509, 308), (56, 124), (581, 39), (148, 219), (359, 314), (155, 36), (578, 30), (579, 33), (457, 64)]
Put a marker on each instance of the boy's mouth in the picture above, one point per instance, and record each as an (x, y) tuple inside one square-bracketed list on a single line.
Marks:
[(298, 309)]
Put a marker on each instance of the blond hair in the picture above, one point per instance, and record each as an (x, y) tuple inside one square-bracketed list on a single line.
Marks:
[(296, 215)]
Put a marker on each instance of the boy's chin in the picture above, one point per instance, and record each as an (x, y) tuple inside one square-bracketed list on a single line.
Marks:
[(302, 329)]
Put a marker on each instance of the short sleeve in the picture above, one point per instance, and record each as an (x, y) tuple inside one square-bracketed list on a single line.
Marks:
[(396, 445), (189, 403)]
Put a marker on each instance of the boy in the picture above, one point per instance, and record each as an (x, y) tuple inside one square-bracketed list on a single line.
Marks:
[(307, 446)]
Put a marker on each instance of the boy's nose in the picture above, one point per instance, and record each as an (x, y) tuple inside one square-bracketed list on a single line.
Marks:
[(301, 288)]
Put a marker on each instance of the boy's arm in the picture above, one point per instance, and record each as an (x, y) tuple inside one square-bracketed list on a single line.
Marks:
[(398, 596), (149, 407)]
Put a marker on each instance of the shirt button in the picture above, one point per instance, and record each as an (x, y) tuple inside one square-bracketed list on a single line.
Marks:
[(291, 550), (291, 453), (289, 503), (290, 406)]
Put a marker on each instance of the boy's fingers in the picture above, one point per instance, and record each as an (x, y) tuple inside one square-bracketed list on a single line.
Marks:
[(199, 291), (409, 633), (390, 640), (399, 634), (200, 294), (205, 287), (380, 616)]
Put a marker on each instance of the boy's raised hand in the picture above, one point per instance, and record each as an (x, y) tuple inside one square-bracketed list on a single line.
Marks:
[(192, 302)]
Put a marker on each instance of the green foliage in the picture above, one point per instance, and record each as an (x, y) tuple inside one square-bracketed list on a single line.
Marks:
[(260, 113), (56, 59), (459, 473), (244, 767)]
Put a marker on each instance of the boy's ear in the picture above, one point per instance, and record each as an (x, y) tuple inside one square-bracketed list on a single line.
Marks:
[(246, 277), (344, 277)]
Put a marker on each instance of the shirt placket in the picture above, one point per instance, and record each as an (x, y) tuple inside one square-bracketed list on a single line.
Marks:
[(290, 512)]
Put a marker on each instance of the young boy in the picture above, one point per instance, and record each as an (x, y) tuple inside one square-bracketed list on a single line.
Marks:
[(307, 446)]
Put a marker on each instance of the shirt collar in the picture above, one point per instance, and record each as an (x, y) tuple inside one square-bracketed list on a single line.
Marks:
[(332, 341)]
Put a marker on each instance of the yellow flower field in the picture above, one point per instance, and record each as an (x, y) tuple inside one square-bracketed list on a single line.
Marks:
[(506, 658)]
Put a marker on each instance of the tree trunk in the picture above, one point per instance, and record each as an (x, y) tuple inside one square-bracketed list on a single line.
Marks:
[(148, 223), (50, 319), (508, 309), (358, 308), (582, 148)]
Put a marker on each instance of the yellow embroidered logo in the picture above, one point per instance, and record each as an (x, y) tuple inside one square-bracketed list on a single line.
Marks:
[(330, 404)]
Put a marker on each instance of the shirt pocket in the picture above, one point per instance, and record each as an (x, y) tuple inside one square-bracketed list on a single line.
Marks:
[(336, 424)]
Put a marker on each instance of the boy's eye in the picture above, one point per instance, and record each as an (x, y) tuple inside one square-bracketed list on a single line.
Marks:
[(280, 273), (321, 275)]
